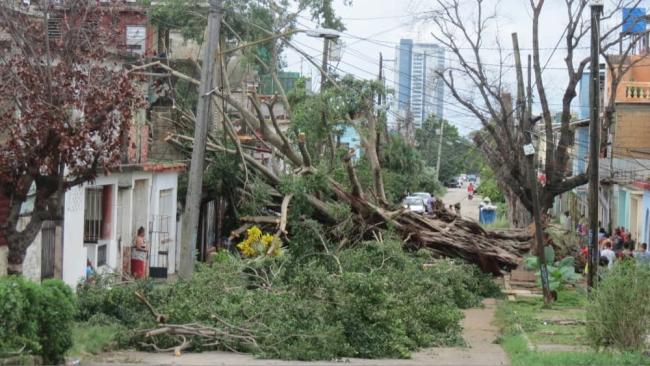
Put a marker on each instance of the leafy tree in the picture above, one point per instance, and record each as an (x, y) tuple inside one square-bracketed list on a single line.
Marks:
[(489, 186), (458, 154), (243, 21), (65, 113)]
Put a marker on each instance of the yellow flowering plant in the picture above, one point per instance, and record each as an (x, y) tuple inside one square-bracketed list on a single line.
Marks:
[(257, 244)]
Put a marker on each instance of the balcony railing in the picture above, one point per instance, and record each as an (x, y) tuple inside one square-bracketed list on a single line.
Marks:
[(633, 92)]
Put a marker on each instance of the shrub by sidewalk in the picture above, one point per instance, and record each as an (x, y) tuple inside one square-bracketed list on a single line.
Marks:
[(619, 314), (35, 318), (533, 335)]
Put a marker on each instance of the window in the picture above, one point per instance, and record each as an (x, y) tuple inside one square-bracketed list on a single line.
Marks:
[(135, 39), (101, 255), (93, 215), (54, 26)]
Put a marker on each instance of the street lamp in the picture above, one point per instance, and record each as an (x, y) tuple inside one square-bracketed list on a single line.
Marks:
[(326, 33)]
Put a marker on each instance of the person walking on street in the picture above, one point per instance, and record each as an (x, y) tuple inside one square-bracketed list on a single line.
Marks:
[(470, 190)]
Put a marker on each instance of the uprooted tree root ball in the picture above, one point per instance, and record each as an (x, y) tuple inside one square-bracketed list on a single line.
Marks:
[(374, 300)]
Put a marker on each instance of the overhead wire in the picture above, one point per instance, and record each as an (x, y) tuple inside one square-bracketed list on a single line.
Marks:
[(462, 113)]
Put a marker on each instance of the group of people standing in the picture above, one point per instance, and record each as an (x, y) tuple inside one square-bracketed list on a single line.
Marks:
[(617, 246)]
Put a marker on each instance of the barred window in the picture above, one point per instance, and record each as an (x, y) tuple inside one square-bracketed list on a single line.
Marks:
[(101, 255)]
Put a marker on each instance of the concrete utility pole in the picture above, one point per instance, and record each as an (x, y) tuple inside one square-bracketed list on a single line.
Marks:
[(323, 86), (203, 117), (442, 131), (325, 65), (381, 76), (594, 140)]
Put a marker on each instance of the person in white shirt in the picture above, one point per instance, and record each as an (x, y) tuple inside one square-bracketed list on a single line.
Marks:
[(608, 253)]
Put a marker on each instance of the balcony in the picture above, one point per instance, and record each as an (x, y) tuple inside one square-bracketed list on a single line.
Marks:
[(633, 92)]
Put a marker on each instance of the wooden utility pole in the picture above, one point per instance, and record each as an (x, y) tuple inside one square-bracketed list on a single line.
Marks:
[(594, 140), (203, 117), (524, 110)]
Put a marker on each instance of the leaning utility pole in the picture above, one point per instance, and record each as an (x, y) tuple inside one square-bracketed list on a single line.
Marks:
[(524, 110), (203, 117), (442, 131), (323, 86), (594, 140), (380, 78)]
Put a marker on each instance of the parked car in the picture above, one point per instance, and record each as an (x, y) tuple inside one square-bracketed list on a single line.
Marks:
[(424, 195), (452, 183), (414, 204), (471, 178)]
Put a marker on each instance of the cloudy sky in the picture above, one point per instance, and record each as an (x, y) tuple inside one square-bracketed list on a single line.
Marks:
[(375, 26)]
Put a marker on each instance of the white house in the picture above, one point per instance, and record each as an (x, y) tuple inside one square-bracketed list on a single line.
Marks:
[(101, 220)]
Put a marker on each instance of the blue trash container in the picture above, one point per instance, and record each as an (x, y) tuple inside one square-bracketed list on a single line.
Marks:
[(487, 215)]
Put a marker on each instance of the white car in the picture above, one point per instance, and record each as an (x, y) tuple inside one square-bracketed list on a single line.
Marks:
[(414, 204), (424, 195)]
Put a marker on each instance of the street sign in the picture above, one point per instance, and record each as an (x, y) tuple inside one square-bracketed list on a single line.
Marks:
[(529, 149)]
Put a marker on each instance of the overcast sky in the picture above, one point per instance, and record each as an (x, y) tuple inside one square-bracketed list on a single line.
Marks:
[(375, 26)]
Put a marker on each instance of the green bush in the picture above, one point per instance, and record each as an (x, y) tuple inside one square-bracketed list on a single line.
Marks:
[(618, 315), (560, 273), (374, 300), (36, 318)]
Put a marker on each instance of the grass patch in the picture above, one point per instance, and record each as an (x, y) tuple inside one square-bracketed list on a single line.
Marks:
[(516, 347), (540, 328), (90, 339)]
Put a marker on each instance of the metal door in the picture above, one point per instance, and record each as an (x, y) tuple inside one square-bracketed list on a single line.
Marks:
[(161, 240), (48, 242)]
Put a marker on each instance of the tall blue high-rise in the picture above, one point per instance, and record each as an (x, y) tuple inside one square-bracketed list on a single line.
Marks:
[(420, 91), (403, 71)]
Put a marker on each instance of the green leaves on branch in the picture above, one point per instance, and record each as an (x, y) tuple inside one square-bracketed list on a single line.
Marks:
[(372, 301), (560, 273)]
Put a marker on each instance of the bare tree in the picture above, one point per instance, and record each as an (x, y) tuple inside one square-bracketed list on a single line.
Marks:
[(501, 137)]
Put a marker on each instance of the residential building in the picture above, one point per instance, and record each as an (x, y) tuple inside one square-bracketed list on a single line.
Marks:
[(101, 217), (629, 162), (420, 91)]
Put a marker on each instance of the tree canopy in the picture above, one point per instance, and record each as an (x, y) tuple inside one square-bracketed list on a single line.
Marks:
[(458, 154)]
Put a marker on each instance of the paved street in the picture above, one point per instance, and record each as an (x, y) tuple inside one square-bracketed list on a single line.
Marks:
[(468, 208)]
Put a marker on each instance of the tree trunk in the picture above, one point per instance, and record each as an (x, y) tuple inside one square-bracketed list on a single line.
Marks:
[(518, 215), (15, 261), (370, 144)]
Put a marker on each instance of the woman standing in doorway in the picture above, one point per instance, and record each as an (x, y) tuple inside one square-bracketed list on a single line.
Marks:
[(139, 255)]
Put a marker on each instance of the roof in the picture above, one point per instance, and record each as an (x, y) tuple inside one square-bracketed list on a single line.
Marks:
[(154, 167)]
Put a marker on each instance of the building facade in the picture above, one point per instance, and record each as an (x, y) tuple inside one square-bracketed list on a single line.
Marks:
[(100, 217), (420, 92)]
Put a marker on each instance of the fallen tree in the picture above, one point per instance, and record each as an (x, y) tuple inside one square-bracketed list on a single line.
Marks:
[(368, 211), (444, 233)]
